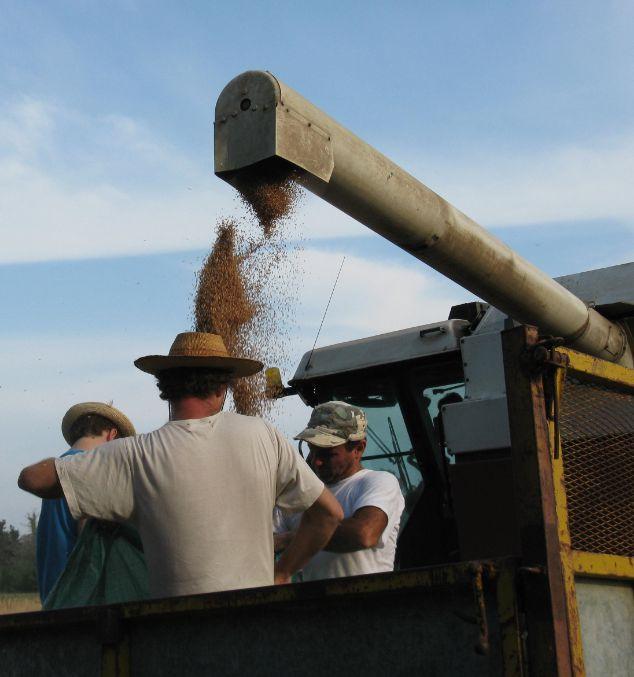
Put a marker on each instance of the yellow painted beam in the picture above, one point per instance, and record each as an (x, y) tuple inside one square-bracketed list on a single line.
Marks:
[(600, 369), (510, 632), (565, 548), (602, 566)]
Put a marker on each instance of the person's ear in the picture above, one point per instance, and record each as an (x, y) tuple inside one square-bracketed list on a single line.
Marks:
[(362, 446), (113, 433)]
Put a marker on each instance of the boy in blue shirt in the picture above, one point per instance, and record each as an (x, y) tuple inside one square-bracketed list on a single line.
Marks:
[(85, 426)]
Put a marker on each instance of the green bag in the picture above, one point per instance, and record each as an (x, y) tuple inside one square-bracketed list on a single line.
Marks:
[(106, 566)]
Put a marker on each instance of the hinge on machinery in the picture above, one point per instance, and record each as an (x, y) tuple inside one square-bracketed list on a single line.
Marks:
[(540, 356), (542, 359)]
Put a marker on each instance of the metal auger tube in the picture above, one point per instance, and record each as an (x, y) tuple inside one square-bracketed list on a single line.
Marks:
[(259, 121)]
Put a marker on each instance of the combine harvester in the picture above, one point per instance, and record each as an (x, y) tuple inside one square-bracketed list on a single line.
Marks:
[(516, 552)]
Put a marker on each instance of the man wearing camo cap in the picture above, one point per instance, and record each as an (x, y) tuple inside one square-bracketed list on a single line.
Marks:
[(365, 541)]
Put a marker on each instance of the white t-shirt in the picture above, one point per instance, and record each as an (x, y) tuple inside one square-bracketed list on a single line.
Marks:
[(364, 488), (201, 493)]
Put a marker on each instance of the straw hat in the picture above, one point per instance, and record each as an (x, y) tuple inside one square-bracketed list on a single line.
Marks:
[(118, 418), (199, 349)]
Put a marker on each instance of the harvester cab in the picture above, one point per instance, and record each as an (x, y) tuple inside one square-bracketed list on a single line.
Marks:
[(435, 397), (401, 380)]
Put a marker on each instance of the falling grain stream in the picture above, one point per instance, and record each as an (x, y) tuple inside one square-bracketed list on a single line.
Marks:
[(242, 280)]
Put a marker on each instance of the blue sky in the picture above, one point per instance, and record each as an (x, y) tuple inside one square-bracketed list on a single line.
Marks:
[(519, 113)]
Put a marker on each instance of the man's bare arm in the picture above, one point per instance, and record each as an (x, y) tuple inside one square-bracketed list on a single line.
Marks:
[(282, 539), (41, 479), (315, 530), (362, 530)]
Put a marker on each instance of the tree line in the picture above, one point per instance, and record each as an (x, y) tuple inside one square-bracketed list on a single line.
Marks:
[(17, 557)]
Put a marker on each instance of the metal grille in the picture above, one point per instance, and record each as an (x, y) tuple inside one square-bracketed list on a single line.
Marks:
[(597, 433)]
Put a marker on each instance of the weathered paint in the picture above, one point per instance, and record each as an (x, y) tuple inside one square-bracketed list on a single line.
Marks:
[(509, 619), (565, 548), (576, 562), (397, 581), (601, 370), (415, 622), (115, 659), (602, 566), (543, 582), (430, 577)]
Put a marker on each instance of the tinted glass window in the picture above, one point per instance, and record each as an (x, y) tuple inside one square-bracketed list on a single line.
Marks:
[(435, 398)]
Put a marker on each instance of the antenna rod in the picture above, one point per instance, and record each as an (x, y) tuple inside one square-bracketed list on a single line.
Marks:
[(310, 357)]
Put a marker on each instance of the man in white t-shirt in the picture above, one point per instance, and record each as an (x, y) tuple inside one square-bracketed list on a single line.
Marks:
[(201, 489), (365, 541)]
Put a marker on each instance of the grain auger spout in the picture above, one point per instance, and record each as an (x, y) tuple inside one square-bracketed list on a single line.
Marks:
[(261, 125)]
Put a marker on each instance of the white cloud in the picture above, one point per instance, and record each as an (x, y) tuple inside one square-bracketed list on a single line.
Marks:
[(576, 182), (371, 297), (43, 220), (77, 187), (26, 126), (73, 186)]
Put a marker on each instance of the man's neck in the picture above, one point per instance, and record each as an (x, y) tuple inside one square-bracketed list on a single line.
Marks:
[(352, 472), (193, 407), (88, 443)]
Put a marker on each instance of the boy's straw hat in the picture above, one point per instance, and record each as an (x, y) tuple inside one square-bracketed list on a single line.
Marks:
[(118, 418), (199, 349)]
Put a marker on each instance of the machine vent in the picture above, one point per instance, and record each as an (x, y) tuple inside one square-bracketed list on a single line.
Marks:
[(597, 433)]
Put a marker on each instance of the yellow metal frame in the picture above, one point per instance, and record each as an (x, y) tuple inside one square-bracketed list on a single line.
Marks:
[(597, 369), (602, 566), (565, 547), (510, 632), (576, 563), (115, 659), (590, 563)]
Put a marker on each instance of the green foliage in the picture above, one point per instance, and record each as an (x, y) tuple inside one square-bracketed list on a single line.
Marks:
[(17, 557)]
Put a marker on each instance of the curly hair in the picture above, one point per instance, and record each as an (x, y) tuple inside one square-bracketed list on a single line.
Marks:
[(91, 425), (174, 384)]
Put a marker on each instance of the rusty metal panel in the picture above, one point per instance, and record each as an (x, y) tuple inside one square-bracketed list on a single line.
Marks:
[(438, 620), (56, 652), (421, 632), (596, 424), (544, 591)]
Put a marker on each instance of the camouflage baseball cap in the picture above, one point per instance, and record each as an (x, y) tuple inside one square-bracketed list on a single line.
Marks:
[(334, 423)]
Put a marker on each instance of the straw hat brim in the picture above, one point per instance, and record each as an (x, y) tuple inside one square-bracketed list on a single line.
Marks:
[(237, 366), (118, 418)]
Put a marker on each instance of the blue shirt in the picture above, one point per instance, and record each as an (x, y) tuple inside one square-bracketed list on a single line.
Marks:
[(56, 538)]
